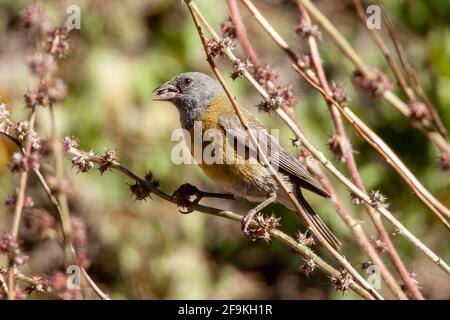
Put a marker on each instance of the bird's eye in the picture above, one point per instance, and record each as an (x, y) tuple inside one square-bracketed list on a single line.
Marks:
[(187, 81)]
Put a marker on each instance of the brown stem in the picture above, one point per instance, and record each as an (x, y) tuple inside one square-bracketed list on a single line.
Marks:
[(305, 251), (265, 162), (364, 131), (326, 162), (241, 32), (350, 162), (411, 74), (359, 64), (355, 227), (19, 203)]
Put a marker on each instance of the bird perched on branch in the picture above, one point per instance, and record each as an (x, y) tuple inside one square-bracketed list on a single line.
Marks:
[(205, 109)]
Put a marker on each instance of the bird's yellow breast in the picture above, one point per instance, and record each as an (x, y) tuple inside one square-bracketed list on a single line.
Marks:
[(232, 168)]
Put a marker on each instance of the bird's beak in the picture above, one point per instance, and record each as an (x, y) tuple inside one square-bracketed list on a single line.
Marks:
[(166, 92)]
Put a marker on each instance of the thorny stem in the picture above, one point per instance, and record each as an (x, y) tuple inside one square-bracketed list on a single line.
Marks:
[(66, 237), (305, 251), (62, 198), (412, 75), (349, 159), (388, 95), (354, 226), (265, 162), (19, 204), (327, 163), (363, 130)]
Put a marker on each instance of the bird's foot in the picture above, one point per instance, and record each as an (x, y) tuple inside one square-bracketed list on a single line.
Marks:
[(245, 224)]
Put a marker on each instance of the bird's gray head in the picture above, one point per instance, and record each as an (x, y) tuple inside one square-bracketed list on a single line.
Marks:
[(191, 93)]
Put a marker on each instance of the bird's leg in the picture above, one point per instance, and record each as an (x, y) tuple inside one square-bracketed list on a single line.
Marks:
[(251, 213), (184, 193)]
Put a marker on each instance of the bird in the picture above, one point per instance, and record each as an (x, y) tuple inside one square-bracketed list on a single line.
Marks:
[(201, 100)]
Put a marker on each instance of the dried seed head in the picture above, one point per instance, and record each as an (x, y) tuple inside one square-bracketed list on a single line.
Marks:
[(287, 94), (265, 75), (37, 97), (41, 64), (375, 87), (239, 68), (83, 161), (444, 161), (334, 145), (342, 281), (139, 191), (38, 221), (419, 112), (57, 42), (217, 48), (308, 266), (270, 104), (379, 244), (78, 235), (56, 91), (228, 29), (11, 200), (378, 199), (306, 29), (305, 239), (107, 159), (356, 200), (20, 162)]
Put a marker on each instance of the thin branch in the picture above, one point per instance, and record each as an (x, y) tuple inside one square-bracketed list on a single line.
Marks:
[(411, 74), (316, 170), (349, 160), (364, 131), (20, 203), (304, 250), (265, 162), (359, 64), (385, 51), (241, 32), (327, 163)]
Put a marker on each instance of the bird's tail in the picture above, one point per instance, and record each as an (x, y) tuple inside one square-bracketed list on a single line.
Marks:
[(318, 223)]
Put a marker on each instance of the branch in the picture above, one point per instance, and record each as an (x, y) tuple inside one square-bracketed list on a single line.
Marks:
[(363, 130), (349, 160), (324, 161), (265, 162), (19, 203), (151, 188), (317, 171), (359, 64)]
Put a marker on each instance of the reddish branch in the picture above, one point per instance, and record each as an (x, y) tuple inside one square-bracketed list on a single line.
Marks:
[(355, 227)]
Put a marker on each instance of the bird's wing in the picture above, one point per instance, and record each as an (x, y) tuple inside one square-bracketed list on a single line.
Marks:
[(278, 154)]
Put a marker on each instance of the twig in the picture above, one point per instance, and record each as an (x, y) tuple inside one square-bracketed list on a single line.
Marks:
[(327, 163), (62, 198), (19, 204), (363, 130), (354, 226), (412, 75), (349, 160), (388, 95), (305, 251), (265, 162)]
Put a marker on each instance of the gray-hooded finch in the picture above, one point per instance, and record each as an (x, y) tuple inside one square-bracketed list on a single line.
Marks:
[(200, 98)]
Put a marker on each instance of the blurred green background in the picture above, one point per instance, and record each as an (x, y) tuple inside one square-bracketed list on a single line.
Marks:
[(147, 250)]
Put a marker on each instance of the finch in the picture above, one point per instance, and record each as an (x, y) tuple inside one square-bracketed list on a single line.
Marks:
[(200, 99)]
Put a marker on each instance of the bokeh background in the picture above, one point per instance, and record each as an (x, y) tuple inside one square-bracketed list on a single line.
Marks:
[(147, 250)]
